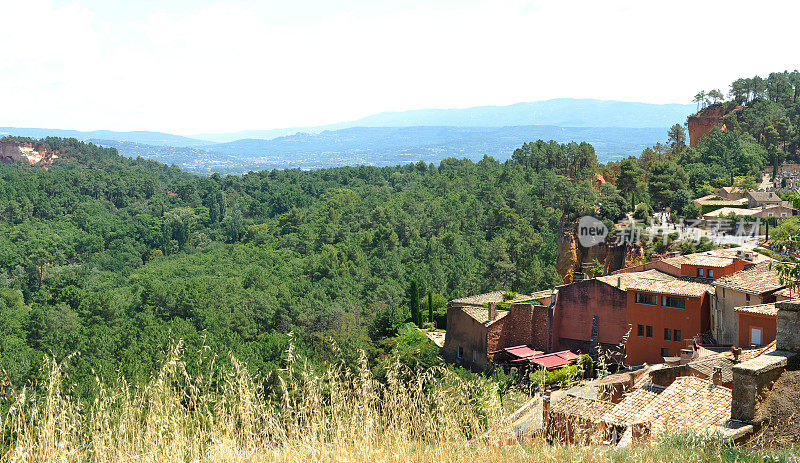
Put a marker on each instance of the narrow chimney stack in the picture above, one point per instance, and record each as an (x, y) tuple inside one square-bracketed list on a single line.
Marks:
[(492, 311), (716, 377)]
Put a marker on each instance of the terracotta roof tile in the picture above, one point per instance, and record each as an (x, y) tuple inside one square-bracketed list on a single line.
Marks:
[(624, 280), (634, 404), (689, 403), (481, 314), (494, 296), (714, 200), (760, 309), (677, 287), (705, 366), (707, 259), (764, 196), (588, 409), (758, 279)]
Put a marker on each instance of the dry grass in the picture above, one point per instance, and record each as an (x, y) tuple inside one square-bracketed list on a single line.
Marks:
[(297, 415)]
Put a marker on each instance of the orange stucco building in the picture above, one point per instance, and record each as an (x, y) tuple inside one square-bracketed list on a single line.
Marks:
[(756, 325), (663, 315)]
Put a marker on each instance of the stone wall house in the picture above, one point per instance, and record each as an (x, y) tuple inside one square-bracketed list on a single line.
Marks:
[(781, 211), (730, 192), (753, 286), (476, 332), (763, 198)]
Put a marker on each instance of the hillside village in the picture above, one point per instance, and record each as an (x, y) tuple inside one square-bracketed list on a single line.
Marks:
[(709, 331), (689, 342)]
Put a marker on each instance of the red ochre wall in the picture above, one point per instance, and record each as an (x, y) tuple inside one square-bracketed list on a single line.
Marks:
[(747, 320), (692, 321), (576, 307)]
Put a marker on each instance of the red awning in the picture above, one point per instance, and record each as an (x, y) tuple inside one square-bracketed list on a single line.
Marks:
[(522, 352), (554, 360)]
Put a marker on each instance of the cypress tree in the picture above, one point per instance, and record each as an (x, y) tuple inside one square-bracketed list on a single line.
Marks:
[(430, 306), (413, 304)]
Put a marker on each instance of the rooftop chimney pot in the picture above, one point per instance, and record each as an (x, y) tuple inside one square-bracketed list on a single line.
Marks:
[(716, 377), (492, 311)]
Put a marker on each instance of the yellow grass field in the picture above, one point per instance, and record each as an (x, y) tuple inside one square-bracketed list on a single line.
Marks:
[(298, 416)]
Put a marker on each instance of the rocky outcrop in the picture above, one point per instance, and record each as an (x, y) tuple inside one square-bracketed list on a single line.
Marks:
[(11, 152), (568, 262), (574, 260), (702, 123)]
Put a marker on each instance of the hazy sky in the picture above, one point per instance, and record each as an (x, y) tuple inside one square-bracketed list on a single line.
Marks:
[(210, 66)]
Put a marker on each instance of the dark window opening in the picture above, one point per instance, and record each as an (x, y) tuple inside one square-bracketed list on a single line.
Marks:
[(674, 302), (676, 335), (649, 331), (649, 299), (667, 334), (641, 331)]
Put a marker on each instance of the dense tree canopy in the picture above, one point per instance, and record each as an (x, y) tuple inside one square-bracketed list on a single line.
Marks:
[(113, 258)]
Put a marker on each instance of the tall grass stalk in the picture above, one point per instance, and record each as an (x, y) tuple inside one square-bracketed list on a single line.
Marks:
[(293, 415)]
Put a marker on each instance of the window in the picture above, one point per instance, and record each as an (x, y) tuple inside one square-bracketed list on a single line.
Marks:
[(664, 352), (676, 335), (640, 331), (711, 273), (674, 302), (474, 356), (700, 272), (747, 298), (649, 331), (460, 353), (667, 334), (649, 299), (755, 336)]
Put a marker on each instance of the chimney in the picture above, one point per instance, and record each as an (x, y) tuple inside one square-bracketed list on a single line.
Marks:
[(716, 377), (619, 282), (492, 311), (546, 411), (736, 351)]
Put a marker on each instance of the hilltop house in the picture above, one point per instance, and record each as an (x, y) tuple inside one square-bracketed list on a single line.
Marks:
[(730, 192), (753, 286), (592, 312), (763, 199), (478, 327), (711, 202)]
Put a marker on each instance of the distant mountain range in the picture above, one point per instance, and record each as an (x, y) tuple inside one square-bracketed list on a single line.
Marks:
[(616, 129), (562, 112), (149, 138), (387, 146)]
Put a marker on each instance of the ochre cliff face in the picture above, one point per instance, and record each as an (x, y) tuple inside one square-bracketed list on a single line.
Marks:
[(567, 263), (574, 258), (702, 123), (634, 256), (11, 152)]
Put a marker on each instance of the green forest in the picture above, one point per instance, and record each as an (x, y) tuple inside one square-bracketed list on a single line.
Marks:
[(105, 260)]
